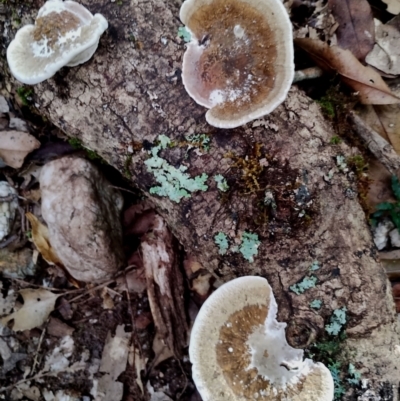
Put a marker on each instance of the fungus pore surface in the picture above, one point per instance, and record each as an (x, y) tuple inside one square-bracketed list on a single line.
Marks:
[(239, 62), (239, 350)]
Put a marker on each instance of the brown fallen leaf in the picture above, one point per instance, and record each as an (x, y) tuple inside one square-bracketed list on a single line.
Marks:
[(385, 56), (368, 84), (380, 189), (15, 146), (356, 30), (40, 237), (385, 119), (38, 304)]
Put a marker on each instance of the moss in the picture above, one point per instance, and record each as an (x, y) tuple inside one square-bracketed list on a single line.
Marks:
[(250, 169), (127, 164), (25, 93), (333, 102), (327, 106), (90, 154), (335, 140), (357, 163)]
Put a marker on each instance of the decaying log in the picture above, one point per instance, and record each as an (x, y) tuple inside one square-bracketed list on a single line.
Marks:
[(130, 92)]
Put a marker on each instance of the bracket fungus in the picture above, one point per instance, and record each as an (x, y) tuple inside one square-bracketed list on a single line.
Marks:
[(239, 63), (239, 350), (64, 34)]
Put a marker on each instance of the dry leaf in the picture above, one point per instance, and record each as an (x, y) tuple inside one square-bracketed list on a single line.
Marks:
[(356, 28), (36, 309), (15, 146), (140, 364), (393, 6), (385, 120), (365, 81), (40, 237), (380, 189), (385, 55), (108, 302), (113, 363)]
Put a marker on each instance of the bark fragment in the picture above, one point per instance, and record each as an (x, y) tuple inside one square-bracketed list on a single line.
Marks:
[(165, 286)]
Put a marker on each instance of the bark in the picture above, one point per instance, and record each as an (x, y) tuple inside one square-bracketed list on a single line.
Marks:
[(131, 91)]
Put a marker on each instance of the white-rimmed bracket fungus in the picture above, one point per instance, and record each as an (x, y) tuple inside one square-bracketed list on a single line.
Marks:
[(64, 34), (239, 63), (239, 350)]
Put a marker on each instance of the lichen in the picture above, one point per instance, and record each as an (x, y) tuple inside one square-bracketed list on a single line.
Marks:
[(249, 246), (184, 34), (307, 283), (174, 182), (222, 185), (222, 242), (338, 320), (201, 141), (316, 304)]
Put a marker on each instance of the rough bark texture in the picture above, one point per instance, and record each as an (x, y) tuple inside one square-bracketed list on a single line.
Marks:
[(165, 287), (130, 92)]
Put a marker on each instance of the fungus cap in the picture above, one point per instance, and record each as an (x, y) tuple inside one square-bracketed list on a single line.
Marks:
[(64, 34), (239, 350), (239, 62)]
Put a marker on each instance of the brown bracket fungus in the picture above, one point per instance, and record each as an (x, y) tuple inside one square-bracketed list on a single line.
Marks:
[(239, 62), (65, 34), (239, 350)]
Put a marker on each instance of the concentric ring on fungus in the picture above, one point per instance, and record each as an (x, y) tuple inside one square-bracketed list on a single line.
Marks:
[(239, 350), (239, 63)]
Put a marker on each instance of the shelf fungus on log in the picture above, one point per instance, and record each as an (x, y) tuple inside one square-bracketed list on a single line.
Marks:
[(239, 62), (239, 350), (65, 34)]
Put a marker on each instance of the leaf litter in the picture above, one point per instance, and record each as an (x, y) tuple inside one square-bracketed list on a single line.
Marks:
[(356, 31), (385, 56), (368, 84), (38, 304)]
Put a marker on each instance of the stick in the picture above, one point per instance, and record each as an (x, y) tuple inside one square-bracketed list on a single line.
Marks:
[(308, 73), (378, 146)]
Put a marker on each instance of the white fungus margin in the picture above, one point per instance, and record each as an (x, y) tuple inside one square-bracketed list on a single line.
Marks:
[(64, 34), (239, 350)]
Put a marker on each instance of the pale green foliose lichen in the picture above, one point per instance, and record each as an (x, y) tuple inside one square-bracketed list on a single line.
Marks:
[(200, 140), (222, 185), (174, 182), (222, 242), (354, 375), (315, 266), (305, 284), (316, 304), (338, 319), (249, 246), (184, 34)]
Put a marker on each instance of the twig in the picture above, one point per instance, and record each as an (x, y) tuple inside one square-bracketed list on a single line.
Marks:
[(65, 291), (378, 146), (124, 189), (8, 198), (37, 350), (134, 332), (8, 241), (308, 73), (38, 376)]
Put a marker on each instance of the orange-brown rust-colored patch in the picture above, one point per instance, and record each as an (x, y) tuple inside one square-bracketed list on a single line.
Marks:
[(242, 67), (54, 25)]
